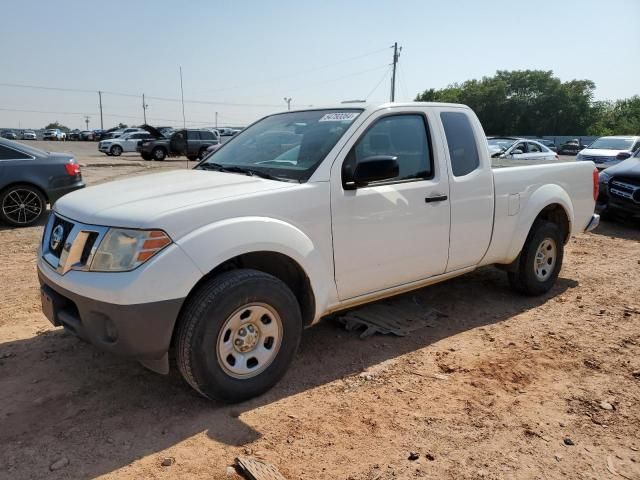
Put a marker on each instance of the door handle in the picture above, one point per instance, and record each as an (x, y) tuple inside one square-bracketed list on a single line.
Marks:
[(435, 198)]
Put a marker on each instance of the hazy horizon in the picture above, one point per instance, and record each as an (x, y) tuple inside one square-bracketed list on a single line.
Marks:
[(242, 60)]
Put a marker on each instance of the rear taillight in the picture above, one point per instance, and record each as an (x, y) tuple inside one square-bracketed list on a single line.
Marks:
[(73, 169), (596, 184)]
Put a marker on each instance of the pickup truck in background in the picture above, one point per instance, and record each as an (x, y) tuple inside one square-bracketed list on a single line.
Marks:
[(225, 264), (191, 143)]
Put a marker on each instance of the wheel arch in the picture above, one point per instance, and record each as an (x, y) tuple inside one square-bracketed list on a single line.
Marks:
[(28, 184), (549, 202)]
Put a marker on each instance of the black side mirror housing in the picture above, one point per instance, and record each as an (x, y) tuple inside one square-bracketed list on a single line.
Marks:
[(373, 169), (623, 156)]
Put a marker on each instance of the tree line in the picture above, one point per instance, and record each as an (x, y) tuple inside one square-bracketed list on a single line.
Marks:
[(534, 102)]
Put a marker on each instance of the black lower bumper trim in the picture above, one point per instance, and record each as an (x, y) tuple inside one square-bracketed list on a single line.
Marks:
[(141, 331)]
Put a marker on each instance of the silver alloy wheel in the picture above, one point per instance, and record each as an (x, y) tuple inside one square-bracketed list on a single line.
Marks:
[(22, 206), (249, 340), (158, 154), (545, 261)]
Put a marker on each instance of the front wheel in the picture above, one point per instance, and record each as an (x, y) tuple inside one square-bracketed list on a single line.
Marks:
[(116, 150), (540, 261), (237, 335), (159, 154)]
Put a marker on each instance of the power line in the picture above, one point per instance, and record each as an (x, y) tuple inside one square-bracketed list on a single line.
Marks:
[(386, 72)]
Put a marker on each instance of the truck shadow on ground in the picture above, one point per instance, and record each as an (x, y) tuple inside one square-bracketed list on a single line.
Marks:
[(619, 227), (62, 397)]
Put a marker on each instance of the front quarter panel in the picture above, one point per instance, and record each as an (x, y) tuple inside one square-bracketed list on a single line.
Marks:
[(212, 245)]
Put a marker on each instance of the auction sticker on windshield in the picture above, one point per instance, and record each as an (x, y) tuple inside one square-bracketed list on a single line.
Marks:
[(339, 117)]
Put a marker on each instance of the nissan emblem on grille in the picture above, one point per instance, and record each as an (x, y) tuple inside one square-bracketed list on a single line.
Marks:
[(56, 237)]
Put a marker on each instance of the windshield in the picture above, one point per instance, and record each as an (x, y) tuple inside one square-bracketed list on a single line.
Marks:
[(287, 146), (609, 143), (501, 143)]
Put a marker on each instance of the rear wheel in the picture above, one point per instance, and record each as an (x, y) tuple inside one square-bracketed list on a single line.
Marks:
[(22, 205), (159, 153), (202, 153), (116, 150), (540, 261), (192, 157), (237, 335)]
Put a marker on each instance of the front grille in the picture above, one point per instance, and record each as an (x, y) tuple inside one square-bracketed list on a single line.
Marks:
[(598, 159), (628, 189), (76, 247), (67, 227)]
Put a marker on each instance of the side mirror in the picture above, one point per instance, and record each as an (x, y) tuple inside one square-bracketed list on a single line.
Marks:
[(373, 169), (623, 156), (517, 151)]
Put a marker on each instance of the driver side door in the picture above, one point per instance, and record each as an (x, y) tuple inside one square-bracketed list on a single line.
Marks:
[(393, 232)]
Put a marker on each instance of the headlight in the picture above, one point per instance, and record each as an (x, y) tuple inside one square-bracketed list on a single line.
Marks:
[(579, 157), (604, 177), (122, 250)]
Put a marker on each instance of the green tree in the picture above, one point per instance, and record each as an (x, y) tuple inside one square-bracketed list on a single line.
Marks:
[(523, 102), (122, 125), (57, 125)]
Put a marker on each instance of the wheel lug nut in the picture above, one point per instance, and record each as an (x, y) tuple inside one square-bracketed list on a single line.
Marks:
[(238, 342), (242, 332)]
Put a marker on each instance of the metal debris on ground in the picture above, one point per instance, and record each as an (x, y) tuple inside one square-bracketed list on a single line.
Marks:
[(255, 469), (397, 316)]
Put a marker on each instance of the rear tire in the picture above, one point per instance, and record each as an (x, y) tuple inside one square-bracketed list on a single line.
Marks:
[(237, 335), (22, 205), (540, 261), (159, 154)]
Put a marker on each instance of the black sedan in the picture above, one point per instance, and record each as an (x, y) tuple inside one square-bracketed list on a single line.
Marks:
[(30, 178), (620, 188)]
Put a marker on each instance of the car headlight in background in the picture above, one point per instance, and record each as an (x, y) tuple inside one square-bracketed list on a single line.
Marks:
[(604, 177), (121, 249)]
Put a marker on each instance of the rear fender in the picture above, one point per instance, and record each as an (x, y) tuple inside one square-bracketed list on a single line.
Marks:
[(544, 196)]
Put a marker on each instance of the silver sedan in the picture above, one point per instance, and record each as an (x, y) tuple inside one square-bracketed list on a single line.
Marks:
[(519, 149)]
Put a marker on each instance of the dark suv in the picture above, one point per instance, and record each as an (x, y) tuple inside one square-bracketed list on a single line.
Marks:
[(192, 143)]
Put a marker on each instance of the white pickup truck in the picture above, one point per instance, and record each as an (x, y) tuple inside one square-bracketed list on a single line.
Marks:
[(302, 214)]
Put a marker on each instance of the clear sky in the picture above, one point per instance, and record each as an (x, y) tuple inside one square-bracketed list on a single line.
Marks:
[(252, 54)]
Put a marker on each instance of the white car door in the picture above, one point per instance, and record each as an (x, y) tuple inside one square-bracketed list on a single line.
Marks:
[(392, 232), (129, 142), (535, 151)]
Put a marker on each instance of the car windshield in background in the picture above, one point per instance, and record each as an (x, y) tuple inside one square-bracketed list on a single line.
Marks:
[(286, 146), (612, 144), (502, 143)]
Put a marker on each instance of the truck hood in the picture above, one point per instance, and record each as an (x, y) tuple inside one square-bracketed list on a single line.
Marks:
[(150, 201)]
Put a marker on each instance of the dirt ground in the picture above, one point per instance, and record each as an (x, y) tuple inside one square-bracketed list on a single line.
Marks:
[(504, 387)]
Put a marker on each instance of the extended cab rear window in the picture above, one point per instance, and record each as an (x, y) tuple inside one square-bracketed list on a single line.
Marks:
[(463, 149)]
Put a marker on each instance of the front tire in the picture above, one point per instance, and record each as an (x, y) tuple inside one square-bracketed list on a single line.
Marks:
[(237, 335), (540, 261), (22, 205), (159, 154), (116, 150)]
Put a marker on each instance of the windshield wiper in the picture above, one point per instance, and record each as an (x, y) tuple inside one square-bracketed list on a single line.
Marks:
[(247, 171)]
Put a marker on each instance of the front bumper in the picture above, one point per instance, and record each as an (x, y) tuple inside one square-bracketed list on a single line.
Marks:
[(593, 223), (140, 331)]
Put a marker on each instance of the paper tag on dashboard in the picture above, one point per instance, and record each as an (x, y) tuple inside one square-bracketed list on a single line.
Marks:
[(339, 117)]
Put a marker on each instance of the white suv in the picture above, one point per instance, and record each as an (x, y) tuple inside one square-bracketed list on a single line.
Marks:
[(608, 151), (124, 143)]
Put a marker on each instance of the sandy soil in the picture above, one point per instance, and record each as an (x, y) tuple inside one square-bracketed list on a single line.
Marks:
[(495, 390)]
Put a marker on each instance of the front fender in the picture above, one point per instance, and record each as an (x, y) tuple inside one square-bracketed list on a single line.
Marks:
[(214, 244), (541, 198)]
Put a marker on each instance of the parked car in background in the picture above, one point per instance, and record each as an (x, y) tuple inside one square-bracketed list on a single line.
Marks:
[(87, 135), (608, 151), (9, 134), (73, 135), (519, 149), (192, 143), (572, 147), (547, 143), (124, 143), (28, 135), (227, 132), (30, 178), (620, 188), (54, 134)]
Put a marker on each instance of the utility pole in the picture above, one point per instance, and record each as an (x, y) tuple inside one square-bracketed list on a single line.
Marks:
[(216, 119), (86, 121), (100, 98), (144, 109), (396, 56), (288, 100), (184, 121)]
